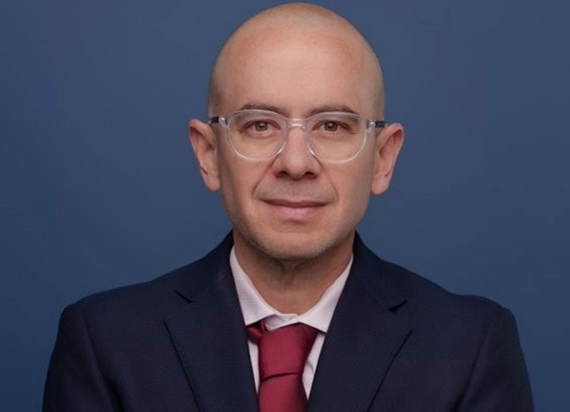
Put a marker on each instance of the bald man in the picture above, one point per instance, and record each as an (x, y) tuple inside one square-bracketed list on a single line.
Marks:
[(296, 143)]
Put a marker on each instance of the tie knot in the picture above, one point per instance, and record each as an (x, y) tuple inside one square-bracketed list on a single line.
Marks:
[(283, 351)]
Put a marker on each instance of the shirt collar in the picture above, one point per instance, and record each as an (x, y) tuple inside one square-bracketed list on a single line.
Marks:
[(254, 307)]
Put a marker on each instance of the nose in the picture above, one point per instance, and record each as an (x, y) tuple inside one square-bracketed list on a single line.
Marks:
[(295, 159)]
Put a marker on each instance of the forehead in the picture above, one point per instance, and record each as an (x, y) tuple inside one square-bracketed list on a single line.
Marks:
[(296, 71)]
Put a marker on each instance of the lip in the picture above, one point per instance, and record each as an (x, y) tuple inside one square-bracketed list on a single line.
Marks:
[(290, 209), (296, 204)]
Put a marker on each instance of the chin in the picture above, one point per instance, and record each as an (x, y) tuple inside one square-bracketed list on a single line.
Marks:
[(296, 246)]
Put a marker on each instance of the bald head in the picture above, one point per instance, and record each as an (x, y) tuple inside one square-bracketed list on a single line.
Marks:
[(282, 26)]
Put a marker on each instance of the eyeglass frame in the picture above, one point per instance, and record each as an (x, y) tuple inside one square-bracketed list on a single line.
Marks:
[(295, 122)]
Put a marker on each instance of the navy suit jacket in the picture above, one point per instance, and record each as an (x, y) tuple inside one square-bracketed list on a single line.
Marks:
[(396, 343)]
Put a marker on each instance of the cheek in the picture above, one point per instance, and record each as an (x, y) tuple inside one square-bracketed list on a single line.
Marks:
[(238, 182), (359, 196), (230, 181), (356, 186)]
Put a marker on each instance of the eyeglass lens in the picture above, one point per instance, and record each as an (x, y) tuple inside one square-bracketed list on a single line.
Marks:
[(258, 134)]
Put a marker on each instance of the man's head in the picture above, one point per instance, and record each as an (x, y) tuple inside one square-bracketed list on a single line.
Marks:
[(297, 60), (277, 25)]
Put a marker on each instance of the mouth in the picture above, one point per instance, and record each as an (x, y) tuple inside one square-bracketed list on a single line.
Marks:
[(293, 209), (294, 203)]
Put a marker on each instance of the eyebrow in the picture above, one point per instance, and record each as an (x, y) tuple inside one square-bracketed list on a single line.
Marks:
[(281, 111), (261, 106), (332, 108)]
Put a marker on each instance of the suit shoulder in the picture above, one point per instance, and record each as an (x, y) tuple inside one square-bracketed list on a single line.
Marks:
[(197, 273), (157, 286), (424, 298), (438, 315), (424, 289)]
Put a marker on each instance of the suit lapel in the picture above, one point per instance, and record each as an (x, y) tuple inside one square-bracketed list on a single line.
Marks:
[(366, 333), (210, 338)]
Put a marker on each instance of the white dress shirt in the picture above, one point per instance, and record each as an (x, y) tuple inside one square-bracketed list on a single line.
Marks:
[(254, 308)]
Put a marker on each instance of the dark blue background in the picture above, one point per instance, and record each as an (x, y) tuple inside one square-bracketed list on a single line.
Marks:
[(100, 188)]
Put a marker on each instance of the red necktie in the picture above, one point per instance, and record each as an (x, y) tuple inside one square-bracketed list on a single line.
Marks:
[(282, 356)]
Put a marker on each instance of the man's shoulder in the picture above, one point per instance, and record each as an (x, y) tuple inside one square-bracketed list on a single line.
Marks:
[(159, 286), (423, 298), (157, 296), (429, 294)]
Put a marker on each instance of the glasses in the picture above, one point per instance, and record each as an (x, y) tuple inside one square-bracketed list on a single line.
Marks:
[(262, 134)]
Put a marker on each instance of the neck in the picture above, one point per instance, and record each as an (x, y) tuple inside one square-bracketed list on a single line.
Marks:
[(293, 285)]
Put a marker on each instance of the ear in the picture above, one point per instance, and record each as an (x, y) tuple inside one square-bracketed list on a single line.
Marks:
[(204, 144), (388, 144)]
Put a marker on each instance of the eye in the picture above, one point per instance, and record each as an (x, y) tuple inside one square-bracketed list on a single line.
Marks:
[(260, 126), (330, 126), (337, 123)]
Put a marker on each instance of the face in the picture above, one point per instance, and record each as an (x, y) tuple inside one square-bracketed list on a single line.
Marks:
[(294, 206)]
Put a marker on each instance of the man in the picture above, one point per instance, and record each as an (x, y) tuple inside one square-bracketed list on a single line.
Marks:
[(296, 143)]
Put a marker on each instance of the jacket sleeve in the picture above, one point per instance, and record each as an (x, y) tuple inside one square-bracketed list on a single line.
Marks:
[(75, 381), (499, 380)]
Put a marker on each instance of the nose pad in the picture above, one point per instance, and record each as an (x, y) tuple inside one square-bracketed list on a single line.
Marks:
[(296, 158), (297, 135)]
